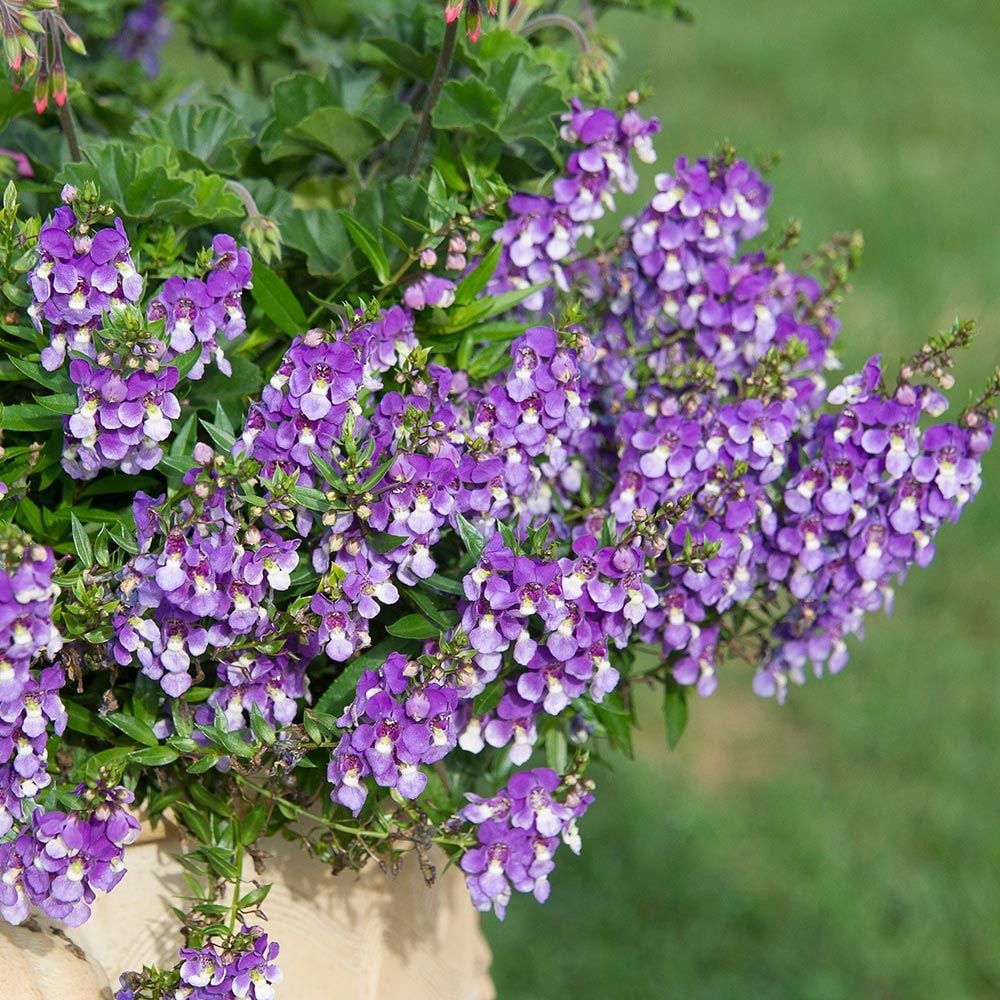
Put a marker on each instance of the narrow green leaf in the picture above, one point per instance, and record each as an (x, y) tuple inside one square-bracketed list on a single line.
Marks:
[(471, 536), (278, 301), (369, 246), (488, 700), (445, 584), (478, 278), (154, 756), (675, 712), (413, 627), (383, 541), (133, 728), (81, 541)]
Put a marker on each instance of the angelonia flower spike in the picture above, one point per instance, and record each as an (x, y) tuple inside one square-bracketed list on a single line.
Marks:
[(367, 540)]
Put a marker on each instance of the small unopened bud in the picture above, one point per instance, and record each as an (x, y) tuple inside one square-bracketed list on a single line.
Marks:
[(314, 337), (74, 41), (428, 258), (60, 85), (203, 453), (41, 91)]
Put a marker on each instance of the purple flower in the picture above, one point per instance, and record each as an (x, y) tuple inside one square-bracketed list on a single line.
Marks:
[(78, 278)]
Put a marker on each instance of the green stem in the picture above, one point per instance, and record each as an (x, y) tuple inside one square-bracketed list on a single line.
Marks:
[(352, 831), (434, 92), (558, 21), (69, 130), (234, 911), (245, 196)]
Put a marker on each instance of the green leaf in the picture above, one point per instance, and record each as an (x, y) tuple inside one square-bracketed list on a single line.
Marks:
[(210, 134), (386, 114), (369, 246), (556, 750), (675, 712), (487, 700), (383, 541), (133, 728), (337, 132), (113, 761), (478, 278), (154, 756), (617, 723), (81, 541), (186, 361), (82, 720), (250, 829), (472, 537), (445, 584), (56, 381), (278, 301), (262, 730), (442, 617), (255, 896), (464, 103), (205, 763), (320, 235), (462, 317), (28, 417), (489, 360), (413, 627)]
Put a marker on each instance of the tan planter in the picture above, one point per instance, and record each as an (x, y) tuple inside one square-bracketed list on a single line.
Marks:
[(356, 936)]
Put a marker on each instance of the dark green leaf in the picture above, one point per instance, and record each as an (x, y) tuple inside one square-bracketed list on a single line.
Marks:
[(154, 756), (81, 541), (369, 246), (337, 132), (133, 728), (278, 301), (464, 103), (211, 134), (382, 541), (487, 700), (413, 627), (675, 712), (472, 537)]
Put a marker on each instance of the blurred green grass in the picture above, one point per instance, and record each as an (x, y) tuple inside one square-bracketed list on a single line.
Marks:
[(848, 844)]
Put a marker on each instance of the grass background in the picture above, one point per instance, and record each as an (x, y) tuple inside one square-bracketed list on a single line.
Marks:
[(848, 844)]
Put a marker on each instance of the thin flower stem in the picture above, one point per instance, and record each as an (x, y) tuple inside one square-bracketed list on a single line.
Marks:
[(434, 92), (69, 130), (245, 196), (352, 831), (234, 911), (558, 21)]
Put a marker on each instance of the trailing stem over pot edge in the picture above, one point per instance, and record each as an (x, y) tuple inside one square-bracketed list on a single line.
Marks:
[(358, 460)]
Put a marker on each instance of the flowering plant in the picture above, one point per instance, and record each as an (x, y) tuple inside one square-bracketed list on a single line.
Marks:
[(359, 463)]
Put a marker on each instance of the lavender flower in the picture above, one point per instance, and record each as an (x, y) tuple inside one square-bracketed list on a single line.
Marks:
[(121, 419), (80, 275), (58, 861), (197, 311), (518, 831)]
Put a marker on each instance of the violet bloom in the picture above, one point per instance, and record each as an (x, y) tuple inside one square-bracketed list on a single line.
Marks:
[(77, 279), (120, 421), (58, 861), (203, 311)]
